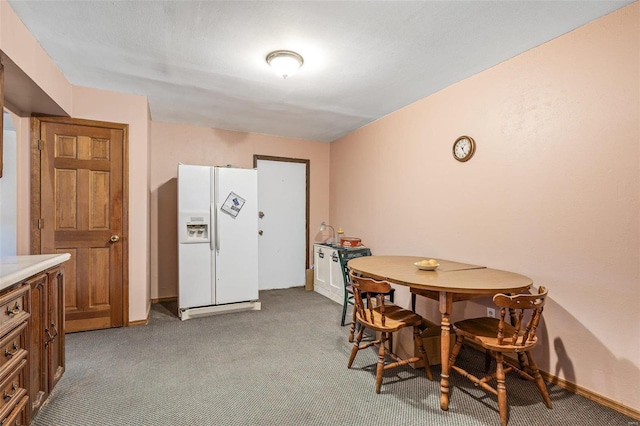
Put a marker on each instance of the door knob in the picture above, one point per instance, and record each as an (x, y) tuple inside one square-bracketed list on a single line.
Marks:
[(260, 232), (114, 239)]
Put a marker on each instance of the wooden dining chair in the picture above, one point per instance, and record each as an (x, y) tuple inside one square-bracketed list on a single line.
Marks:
[(499, 337), (386, 319), (355, 325), (349, 298)]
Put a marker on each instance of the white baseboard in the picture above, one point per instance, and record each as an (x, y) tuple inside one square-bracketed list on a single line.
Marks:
[(204, 311)]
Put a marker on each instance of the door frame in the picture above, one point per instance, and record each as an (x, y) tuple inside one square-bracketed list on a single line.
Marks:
[(307, 164), (36, 195)]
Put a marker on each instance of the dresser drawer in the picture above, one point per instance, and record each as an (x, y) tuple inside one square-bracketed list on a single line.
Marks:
[(12, 389), (17, 416), (13, 349), (13, 309)]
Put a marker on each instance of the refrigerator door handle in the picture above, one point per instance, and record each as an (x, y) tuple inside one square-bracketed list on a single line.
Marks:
[(217, 231), (213, 237), (214, 205)]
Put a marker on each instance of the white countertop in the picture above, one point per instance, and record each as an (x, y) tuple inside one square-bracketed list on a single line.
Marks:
[(14, 269)]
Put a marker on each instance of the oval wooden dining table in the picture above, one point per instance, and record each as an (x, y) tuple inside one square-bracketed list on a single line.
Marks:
[(450, 282)]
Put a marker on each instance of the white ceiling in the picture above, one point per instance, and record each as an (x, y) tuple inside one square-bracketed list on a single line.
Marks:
[(203, 62)]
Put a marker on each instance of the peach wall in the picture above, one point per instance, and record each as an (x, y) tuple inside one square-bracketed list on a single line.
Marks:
[(21, 46), (553, 191), (174, 143), (128, 109)]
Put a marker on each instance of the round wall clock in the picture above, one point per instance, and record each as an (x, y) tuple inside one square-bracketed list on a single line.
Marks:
[(463, 148)]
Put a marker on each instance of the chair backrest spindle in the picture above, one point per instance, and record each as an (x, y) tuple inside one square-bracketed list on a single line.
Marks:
[(503, 313), (369, 306)]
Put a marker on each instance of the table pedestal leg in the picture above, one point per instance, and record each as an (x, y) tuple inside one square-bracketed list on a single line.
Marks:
[(446, 304)]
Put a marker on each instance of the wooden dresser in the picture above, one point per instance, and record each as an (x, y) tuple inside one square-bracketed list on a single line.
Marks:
[(31, 333)]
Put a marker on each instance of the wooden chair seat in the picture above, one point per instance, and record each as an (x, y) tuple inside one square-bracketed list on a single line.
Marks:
[(396, 318), (385, 319), (484, 331)]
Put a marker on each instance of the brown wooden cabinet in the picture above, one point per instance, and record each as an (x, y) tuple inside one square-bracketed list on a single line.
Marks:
[(38, 388), (54, 329), (46, 334), (32, 341), (31, 334)]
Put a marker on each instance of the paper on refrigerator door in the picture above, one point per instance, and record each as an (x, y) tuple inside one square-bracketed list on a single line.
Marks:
[(233, 204)]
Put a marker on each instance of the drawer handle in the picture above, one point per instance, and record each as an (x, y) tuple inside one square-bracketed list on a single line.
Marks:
[(334, 257), (5, 419), (8, 396), (9, 354), (14, 311)]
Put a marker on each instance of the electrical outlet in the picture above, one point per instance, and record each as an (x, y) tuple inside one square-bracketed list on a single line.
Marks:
[(491, 312)]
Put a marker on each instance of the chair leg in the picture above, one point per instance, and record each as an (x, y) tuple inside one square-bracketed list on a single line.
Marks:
[(542, 387), (356, 347), (344, 311), (418, 338), (352, 329), (380, 367), (502, 389)]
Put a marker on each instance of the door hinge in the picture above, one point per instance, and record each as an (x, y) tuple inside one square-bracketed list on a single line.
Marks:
[(40, 223), (40, 144)]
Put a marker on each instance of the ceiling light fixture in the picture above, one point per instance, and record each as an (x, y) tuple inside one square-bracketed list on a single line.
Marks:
[(285, 63)]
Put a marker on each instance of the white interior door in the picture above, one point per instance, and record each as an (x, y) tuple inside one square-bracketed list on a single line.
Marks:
[(282, 247)]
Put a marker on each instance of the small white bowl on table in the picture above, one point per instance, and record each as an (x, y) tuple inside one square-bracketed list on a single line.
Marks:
[(426, 267)]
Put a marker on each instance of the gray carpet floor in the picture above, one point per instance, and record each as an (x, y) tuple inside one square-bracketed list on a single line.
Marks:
[(283, 365)]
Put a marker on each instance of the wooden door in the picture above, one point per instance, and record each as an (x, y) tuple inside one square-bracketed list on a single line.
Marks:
[(78, 194)]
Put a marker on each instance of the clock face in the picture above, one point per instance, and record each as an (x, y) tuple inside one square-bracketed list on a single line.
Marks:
[(463, 148)]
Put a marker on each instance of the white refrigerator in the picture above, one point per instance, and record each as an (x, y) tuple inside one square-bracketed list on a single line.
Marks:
[(217, 240)]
